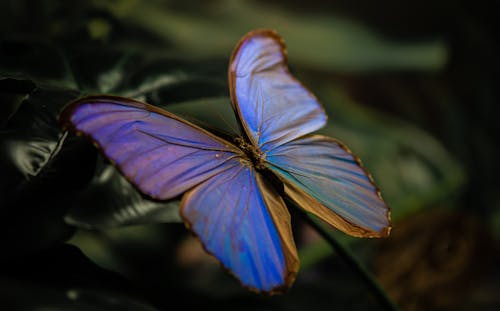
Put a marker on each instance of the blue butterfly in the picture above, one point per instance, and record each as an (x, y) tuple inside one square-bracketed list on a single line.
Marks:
[(227, 202)]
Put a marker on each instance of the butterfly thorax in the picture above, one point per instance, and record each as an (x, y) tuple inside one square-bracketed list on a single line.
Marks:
[(254, 154)]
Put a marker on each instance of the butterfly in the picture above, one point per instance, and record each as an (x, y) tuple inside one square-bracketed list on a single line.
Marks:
[(228, 201)]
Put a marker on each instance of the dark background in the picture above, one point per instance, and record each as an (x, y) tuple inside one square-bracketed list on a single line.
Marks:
[(410, 86)]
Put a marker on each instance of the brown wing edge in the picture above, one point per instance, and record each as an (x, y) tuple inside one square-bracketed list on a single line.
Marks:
[(311, 205), (264, 32), (281, 218)]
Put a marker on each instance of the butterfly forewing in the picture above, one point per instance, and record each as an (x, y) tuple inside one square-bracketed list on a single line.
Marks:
[(158, 152), (272, 105)]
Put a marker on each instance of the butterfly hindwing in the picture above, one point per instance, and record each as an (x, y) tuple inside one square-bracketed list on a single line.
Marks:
[(245, 224), (326, 179), (159, 153), (272, 105)]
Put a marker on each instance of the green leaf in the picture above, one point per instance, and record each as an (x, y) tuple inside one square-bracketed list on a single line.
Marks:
[(162, 80), (111, 201), (322, 41), (98, 69)]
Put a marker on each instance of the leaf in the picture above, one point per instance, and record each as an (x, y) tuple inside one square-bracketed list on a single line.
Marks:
[(12, 93), (37, 61), (62, 278), (34, 149), (322, 41), (99, 69), (161, 80), (38, 176), (110, 201)]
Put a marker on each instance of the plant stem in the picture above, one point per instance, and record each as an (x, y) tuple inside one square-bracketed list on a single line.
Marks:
[(354, 264)]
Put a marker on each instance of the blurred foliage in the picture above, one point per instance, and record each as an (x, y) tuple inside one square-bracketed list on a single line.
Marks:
[(410, 87)]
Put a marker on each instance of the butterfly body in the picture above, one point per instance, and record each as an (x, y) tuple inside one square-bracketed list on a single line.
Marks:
[(253, 154), (232, 190)]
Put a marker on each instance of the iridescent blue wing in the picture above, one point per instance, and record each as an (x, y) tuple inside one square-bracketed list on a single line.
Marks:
[(322, 176), (243, 222), (238, 217), (161, 154), (273, 107)]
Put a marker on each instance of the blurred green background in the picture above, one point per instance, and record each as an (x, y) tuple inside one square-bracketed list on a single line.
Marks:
[(411, 87)]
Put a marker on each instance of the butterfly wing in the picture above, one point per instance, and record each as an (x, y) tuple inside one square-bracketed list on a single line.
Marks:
[(326, 179), (245, 224), (272, 105), (161, 154), (237, 216)]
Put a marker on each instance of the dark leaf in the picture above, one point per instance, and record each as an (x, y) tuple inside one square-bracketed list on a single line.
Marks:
[(12, 93), (165, 80), (34, 150), (62, 278), (38, 174), (111, 201), (38, 61), (100, 70)]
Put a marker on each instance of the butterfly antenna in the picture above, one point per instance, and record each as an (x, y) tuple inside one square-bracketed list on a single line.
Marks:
[(210, 127), (227, 123)]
